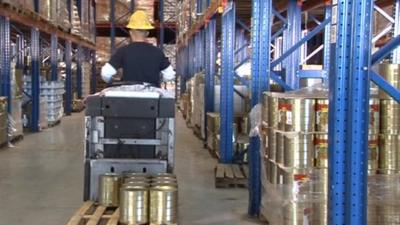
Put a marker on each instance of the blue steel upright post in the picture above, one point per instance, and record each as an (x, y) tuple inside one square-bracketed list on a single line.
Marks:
[(79, 56), (113, 25), (227, 74), (261, 37), (68, 79), (396, 32), (348, 114), (161, 28), (35, 76), (54, 57), (327, 39), (210, 56), (292, 36), (5, 56)]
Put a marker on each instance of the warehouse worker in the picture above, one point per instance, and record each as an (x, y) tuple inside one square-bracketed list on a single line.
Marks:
[(140, 61)]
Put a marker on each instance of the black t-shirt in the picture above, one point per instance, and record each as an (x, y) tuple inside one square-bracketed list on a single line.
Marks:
[(141, 62)]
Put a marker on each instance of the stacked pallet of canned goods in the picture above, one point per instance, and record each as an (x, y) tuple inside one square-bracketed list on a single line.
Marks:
[(141, 198), (52, 94), (389, 157), (295, 127), (3, 121)]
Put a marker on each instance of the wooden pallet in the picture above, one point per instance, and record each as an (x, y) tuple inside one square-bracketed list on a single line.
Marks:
[(17, 138), (93, 214), (230, 175), (53, 124)]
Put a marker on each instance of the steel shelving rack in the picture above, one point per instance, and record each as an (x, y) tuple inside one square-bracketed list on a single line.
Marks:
[(346, 70), (33, 33)]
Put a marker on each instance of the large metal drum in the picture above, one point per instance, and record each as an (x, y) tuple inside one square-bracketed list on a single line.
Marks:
[(389, 153), (109, 185), (273, 173), (293, 213), (273, 111), (319, 214), (373, 154), (391, 73), (280, 147), (374, 112), (300, 115), (163, 205), (271, 144), (299, 151), (321, 150), (134, 205), (283, 108), (321, 115), (390, 117), (264, 108)]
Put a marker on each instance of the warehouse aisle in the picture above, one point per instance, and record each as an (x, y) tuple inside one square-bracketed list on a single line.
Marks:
[(41, 180), (200, 202)]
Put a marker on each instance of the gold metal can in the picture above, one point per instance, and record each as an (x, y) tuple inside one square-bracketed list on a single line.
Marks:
[(390, 117), (109, 185), (374, 116), (134, 205), (321, 150), (164, 205), (373, 153), (160, 175), (300, 115), (135, 175), (273, 111), (280, 147), (389, 153), (321, 115), (271, 144), (283, 108), (299, 151), (137, 179), (391, 73), (264, 108)]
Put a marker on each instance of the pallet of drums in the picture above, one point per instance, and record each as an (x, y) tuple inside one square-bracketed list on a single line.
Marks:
[(134, 199), (295, 142)]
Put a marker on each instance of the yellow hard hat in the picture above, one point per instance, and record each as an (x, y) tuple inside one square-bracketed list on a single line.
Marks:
[(139, 21)]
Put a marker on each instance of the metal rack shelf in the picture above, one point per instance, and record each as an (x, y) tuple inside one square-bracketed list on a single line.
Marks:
[(32, 34), (27, 18), (346, 53)]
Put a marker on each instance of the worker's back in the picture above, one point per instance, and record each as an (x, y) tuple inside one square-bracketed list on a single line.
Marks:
[(141, 62)]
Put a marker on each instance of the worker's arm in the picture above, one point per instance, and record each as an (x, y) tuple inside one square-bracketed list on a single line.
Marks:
[(110, 68), (167, 71), (107, 72)]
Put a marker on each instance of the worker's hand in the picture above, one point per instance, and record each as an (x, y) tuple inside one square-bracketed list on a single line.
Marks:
[(168, 74), (107, 72)]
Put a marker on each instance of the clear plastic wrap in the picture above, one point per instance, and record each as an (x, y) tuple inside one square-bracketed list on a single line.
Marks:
[(300, 195)]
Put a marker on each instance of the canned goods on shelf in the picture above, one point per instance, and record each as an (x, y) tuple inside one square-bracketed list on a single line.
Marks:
[(321, 150), (271, 144), (389, 152), (300, 115), (280, 147), (273, 111), (321, 115), (390, 117), (391, 73), (299, 151)]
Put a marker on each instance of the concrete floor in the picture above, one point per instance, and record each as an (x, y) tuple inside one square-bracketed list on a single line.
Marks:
[(41, 180)]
